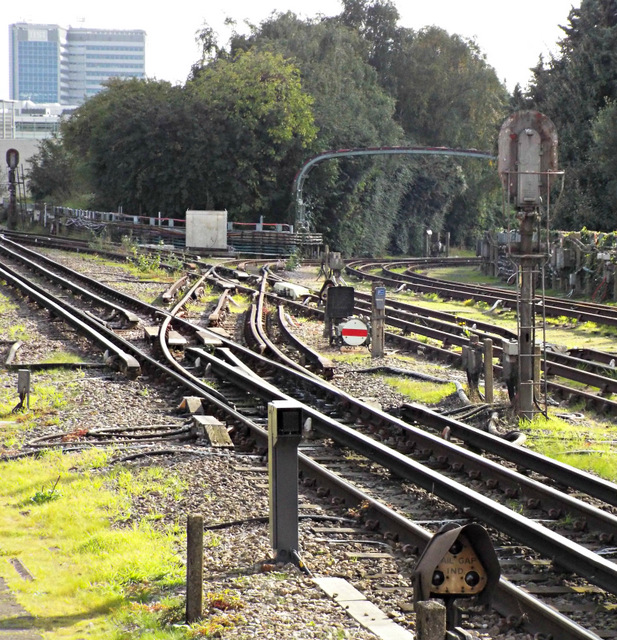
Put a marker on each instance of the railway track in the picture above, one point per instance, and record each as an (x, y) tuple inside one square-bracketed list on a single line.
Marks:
[(238, 386), (555, 307), (594, 370)]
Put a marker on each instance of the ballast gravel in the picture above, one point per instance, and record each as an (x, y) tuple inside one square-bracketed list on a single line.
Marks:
[(228, 489)]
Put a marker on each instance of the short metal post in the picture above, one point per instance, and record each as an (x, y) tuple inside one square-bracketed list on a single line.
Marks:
[(194, 567), (427, 243), (488, 370), (327, 326), (23, 386), (378, 320), (284, 435)]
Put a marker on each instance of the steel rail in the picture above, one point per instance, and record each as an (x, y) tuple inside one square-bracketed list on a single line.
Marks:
[(555, 307), (535, 492), (98, 286), (77, 290), (80, 321), (508, 599), (324, 365), (556, 363), (450, 454), (155, 310), (564, 474), (603, 383), (582, 306), (136, 357), (53, 242), (458, 291), (590, 378), (446, 332), (564, 552), (162, 337), (395, 306)]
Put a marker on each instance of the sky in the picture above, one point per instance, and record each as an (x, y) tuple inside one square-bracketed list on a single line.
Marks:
[(511, 35)]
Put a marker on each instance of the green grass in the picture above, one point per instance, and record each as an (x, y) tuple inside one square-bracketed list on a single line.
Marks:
[(58, 518), (239, 303), (582, 443), (62, 357), (8, 329), (467, 274), (140, 265), (350, 357), (420, 390), (49, 394)]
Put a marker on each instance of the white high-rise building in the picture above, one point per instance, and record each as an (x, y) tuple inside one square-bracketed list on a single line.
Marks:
[(95, 55)]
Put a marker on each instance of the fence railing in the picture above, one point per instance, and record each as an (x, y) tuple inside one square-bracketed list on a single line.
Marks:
[(258, 238)]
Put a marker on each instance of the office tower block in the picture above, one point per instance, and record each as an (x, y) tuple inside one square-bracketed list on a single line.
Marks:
[(35, 57), (49, 64)]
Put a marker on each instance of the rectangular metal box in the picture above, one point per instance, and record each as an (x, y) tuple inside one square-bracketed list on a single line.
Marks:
[(340, 302), (206, 230)]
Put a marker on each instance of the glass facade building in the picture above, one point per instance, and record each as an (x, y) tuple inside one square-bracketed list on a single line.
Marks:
[(50, 64), (35, 62)]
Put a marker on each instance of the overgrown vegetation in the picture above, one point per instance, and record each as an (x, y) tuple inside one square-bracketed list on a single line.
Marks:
[(575, 439), (91, 574), (47, 398), (9, 329), (420, 390), (269, 99)]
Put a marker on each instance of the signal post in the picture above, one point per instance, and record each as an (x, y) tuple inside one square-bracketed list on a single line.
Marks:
[(527, 166)]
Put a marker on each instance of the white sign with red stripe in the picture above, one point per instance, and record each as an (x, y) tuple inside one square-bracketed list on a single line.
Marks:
[(354, 332)]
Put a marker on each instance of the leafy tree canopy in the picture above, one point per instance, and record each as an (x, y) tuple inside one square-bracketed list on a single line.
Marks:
[(573, 89), (250, 114)]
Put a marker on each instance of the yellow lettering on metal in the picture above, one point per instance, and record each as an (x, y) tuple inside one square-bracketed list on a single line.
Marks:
[(463, 573)]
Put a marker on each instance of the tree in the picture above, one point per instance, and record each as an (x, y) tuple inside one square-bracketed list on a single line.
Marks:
[(52, 174), (354, 202), (447, 95), (129, 138), (572, 90), (259, 121), (377, 23), (604, 131)]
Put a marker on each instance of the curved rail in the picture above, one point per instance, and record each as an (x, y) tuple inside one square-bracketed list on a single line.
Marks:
[(567, 629)]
